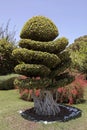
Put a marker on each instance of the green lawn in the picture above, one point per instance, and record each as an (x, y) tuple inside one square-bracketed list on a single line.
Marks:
[(10, 119)]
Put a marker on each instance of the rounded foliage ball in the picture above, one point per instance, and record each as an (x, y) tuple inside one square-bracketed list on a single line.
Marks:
[(39, 28)]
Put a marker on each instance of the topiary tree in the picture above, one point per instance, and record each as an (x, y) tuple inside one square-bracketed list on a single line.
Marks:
[(43, 60)]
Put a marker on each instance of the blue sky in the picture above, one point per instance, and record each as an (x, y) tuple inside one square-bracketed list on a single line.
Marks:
[(70, 16)]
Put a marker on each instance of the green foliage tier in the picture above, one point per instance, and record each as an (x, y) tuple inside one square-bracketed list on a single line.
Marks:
[(60, 68), (36, 57), (39, 28), (32, 82), (24, 82), (65, 63), (52, 47), (32, 70), (64, 56)]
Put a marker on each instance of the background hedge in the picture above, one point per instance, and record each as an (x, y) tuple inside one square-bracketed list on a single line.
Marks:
[(7, 81)]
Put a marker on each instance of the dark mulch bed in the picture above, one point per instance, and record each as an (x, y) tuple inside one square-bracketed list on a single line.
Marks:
[(66, 113)]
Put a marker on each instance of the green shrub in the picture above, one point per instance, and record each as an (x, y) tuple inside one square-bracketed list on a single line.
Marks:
[(52, 47), (78, 54), (39, 28), (7, 61), (7, 81), (36, 57)]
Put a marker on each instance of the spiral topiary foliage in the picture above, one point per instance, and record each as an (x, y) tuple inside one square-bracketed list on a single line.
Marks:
[(36, 57), (52, 47), (32, 70), (48, 57), (39, 28), (39, 55)]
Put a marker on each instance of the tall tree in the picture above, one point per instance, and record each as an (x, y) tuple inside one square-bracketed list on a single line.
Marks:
[(43, 60)]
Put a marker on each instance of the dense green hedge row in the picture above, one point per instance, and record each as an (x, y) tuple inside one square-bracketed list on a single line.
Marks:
[(52, 46), (32, 70), (7, 81), (39, 28), (36, 57)]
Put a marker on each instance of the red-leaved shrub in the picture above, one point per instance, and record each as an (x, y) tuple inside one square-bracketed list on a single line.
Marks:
[(72, 93), (26, 94)]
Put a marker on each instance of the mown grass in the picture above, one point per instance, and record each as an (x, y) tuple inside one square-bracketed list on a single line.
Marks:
[(10, 119)]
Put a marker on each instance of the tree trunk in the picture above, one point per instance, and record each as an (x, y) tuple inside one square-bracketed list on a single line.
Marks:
[(45, 104)]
